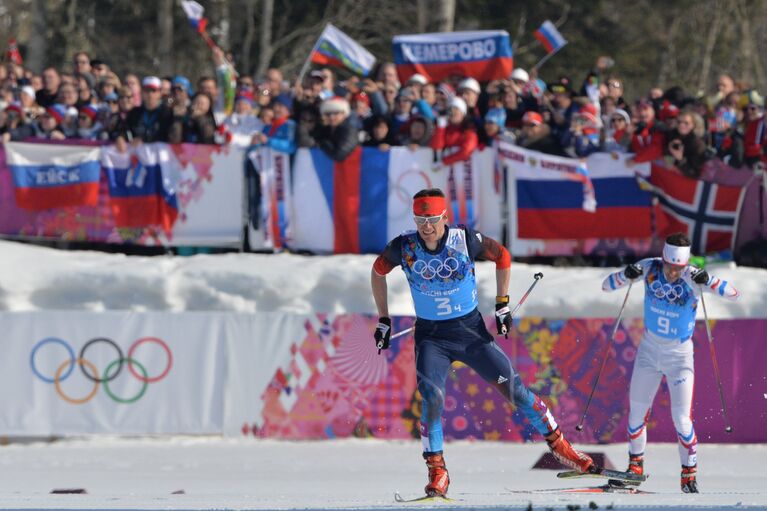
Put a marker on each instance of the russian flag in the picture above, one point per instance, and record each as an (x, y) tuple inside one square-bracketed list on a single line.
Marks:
[(142, 186), (551, 197), (53, 176), (195, 14), (548, 35), (359, 204), (484, 54), (335, 48)]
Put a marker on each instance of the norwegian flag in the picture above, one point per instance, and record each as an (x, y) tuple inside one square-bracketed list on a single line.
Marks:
[(707, 212)]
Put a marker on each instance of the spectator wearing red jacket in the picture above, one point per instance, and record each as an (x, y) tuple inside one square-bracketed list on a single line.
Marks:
[(455, 135)]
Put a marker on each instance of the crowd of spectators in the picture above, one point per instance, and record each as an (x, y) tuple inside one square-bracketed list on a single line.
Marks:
[(454, 117)]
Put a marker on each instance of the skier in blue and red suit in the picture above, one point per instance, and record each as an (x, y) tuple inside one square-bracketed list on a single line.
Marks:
[(438, 261)]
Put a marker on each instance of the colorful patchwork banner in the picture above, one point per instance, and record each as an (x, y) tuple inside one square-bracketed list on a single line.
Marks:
[(331, 383)]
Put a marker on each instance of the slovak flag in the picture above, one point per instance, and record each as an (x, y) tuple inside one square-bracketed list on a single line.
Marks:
[(195, 14), (335, 48), (548, 35), (707, 212), (142, 185), (49, 176)]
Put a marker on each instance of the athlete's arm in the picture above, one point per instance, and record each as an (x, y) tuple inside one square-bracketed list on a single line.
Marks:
[(380, 293), (384, 263), (618, 279), (719, 287)]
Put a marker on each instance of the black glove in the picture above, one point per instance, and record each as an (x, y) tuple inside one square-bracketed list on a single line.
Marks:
[(700, 276), (502, 315), (633, 271), (382, 334)]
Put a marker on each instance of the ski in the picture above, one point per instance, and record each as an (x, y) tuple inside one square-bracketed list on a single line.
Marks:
[(422, 499), (624, 477), (607, 488)]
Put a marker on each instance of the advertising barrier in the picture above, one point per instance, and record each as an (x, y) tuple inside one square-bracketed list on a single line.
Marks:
[(301, 377)]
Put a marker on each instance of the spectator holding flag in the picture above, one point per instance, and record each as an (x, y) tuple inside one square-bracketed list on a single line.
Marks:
[(755, 137)]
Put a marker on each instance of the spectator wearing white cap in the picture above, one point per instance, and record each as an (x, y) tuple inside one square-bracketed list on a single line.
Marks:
[(416, 82), (456, 136), (337, 134), (27, 99), (151, 121), (470, 90)]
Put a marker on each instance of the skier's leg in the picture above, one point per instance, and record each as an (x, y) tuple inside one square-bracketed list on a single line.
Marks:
[(432, 364), (680, 376), (645, 379), (493, 365)]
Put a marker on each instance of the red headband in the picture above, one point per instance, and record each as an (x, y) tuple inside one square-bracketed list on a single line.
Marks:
[(429, 206)]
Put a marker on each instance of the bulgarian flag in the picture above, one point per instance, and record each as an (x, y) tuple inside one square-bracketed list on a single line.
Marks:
[(335, 48)]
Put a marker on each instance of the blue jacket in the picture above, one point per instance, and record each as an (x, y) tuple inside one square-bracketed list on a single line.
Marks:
[(284, 139)]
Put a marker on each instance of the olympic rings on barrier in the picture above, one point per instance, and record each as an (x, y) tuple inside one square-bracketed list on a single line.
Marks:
[(436, 267), (164, 346), (90, 371)]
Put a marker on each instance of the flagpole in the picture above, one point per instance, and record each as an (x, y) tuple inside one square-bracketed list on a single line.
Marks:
[(547, 57)]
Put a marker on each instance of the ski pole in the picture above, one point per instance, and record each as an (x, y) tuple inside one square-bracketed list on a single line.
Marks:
[(398, 334), (538, 276), (579, 427), (727, 427)]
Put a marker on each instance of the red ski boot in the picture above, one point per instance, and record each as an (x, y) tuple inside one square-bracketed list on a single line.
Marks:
[(564, 452), (636, 464), (439, 479), (689, 484)]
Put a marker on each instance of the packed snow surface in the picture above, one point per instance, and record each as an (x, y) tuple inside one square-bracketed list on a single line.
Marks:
[(35, 278)]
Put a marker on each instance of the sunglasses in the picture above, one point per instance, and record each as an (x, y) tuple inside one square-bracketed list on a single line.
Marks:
[(420, 220)]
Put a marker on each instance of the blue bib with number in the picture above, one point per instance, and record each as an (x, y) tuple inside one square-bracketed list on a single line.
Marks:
[(669, 307), (443, 285)]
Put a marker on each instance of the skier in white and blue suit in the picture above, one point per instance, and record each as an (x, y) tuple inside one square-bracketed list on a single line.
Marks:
[(438, 261), (672, 291)]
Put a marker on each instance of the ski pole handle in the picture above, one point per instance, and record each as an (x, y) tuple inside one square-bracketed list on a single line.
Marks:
[(379, 345)]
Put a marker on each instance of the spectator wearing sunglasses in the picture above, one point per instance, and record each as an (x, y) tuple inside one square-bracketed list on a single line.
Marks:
[(755, 137), (151, 121), (337, 134), (88, 127), (16, 126)]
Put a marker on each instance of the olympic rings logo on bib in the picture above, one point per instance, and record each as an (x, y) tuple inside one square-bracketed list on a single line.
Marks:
[(436, 267), (666, 290), (91, 372)]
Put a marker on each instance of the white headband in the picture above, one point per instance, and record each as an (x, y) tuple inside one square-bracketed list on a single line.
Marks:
[(678, 256)]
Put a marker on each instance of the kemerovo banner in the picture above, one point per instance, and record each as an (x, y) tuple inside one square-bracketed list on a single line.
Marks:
[(180, 194)]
